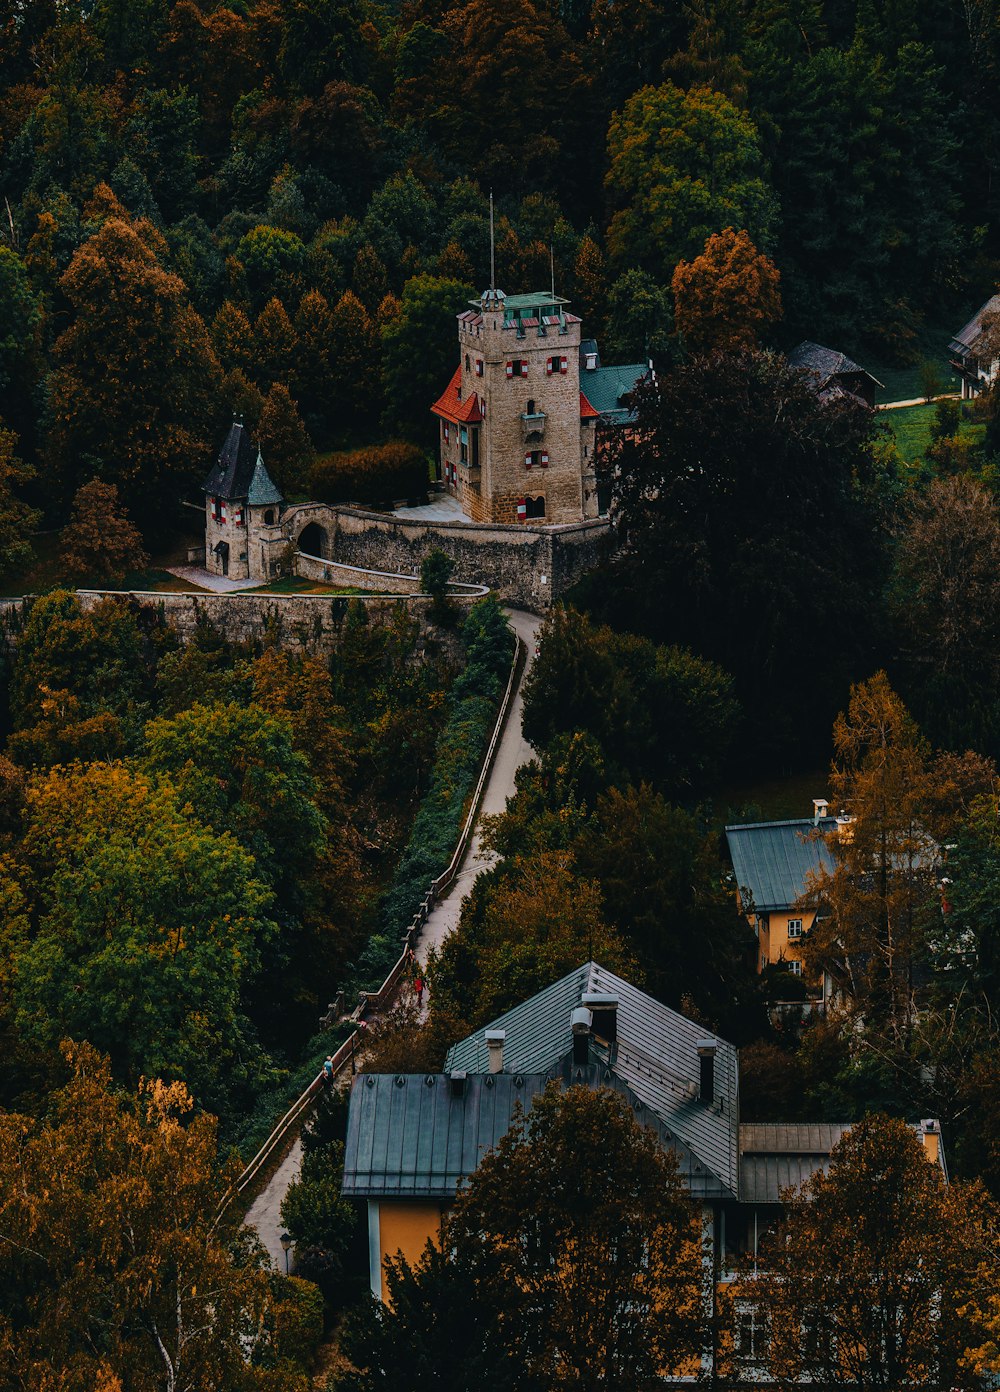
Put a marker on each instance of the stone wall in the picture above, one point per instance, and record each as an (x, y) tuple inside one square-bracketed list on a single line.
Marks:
[(528, 567), (300, 623)]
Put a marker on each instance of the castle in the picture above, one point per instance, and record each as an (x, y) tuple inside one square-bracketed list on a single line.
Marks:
[(518, 431), (518, 422)]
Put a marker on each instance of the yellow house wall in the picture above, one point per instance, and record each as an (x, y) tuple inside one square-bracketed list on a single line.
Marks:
[(406, 1227), (779, 944)]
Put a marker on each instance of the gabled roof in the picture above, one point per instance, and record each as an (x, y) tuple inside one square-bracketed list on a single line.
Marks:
[(965, 340), (587, 411), (232, 472), (656, 1055), (415, 1136), (451, 407), (775, 1156), (825, 363), (263, 490), (772, 861), (607, 387)]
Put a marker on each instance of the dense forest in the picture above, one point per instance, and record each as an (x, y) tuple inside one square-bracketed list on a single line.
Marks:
[(279, 206)]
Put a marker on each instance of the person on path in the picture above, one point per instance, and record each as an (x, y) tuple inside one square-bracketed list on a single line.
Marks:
[(418, 989)]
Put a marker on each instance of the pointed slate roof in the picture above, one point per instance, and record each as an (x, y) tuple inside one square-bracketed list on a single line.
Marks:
[(263, 490), (656, 1057), (232, 472)]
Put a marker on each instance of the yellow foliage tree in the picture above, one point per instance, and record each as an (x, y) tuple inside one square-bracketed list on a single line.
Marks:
[(727, 296)]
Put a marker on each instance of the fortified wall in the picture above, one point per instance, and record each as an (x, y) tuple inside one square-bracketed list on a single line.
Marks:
[(527, 567), (297, 623)]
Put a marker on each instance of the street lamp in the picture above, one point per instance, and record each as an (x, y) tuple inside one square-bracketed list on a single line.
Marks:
[(286, 1242)]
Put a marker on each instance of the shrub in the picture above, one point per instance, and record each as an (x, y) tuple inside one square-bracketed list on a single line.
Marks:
[(376, 474)]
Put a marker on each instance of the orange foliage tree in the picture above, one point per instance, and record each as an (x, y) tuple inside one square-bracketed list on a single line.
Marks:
[(726, 296)]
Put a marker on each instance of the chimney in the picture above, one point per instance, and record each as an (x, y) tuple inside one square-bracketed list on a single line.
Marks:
[(494, 1042), (820, 808), (706, 1061), (605, 1015), (581, 1020), (456, 1081)]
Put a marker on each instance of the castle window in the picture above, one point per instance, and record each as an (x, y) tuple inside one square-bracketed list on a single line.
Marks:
[(556, 364), (447, 431), (530, 411), (216, 509), (479, 367), (468, 364), (534, 507), (464, 441), (269, 518), (517, 368), (238, 515)]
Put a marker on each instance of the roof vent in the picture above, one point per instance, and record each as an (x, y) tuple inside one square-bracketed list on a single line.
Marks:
[(706, 1060), (494, 1042), (581, 1021), (604, 1009)]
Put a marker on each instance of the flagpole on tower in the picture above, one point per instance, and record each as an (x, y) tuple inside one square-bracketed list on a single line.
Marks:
[(493, 251)]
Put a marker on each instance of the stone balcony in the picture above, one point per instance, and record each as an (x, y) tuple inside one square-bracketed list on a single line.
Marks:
[(533, 425)]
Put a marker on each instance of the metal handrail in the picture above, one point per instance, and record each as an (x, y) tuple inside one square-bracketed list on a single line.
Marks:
[(346, 1051)]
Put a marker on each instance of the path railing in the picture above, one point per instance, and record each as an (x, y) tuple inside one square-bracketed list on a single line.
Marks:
[(374, 1000)]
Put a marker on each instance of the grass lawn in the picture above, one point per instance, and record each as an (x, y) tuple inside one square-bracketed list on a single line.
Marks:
[(903, 383), (911, 426), (295, 584)]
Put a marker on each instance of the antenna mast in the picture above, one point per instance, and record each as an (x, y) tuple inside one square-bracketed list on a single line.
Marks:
[(493, 251), (552, 269)]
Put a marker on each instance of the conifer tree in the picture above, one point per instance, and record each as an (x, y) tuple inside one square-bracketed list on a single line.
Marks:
[(275, 346), (284, 441)]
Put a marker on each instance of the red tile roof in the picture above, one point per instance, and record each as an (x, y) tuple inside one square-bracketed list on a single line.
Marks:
[(449, 406), (587, 411)]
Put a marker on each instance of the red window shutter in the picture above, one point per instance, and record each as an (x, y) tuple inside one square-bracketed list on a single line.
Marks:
[(510, 369), (564, 365), (527, 461), (522, 510), (548, 366), (545, 460)]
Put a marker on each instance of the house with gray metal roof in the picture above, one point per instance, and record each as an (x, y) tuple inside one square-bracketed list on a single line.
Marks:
[(413, 1140), (777, 868), (972, 356)]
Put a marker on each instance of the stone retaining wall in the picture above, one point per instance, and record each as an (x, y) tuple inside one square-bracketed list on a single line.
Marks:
[(525, 566)]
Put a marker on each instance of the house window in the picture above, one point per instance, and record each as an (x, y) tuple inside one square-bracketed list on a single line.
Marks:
[(753, 1337), (795, 927), (794, 967)]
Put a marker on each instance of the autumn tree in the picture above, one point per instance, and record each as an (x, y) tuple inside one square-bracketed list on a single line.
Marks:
[(275, 346), (17, 520), (233, 339), (575, 1260), (875, 1280), (881, 898), (134, 393), (113, 1197), (420, 351), (284, 440), (764, 514), (313, 380), (100, 545), (945, 602), (149, 926), (590, 285), (681, 166), (726, 296)]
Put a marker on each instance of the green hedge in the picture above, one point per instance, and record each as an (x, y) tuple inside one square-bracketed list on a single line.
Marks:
[(376, 474), (474, 698)]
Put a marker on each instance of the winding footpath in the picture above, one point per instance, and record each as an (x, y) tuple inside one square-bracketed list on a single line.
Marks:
[(513, 750)]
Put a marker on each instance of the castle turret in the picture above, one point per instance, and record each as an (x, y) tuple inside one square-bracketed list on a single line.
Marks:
[(243, 537), (516, 436)]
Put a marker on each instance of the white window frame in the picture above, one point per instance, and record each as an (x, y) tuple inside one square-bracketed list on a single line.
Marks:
[(795, 927)]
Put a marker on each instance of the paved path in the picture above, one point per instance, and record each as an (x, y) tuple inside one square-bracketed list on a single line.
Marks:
[(917, 401), (264, 1213), (513, 752), (443, 507), (218, 584)]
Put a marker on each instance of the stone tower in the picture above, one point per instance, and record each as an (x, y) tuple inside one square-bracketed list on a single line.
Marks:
[(243, 535), (517, 438)]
